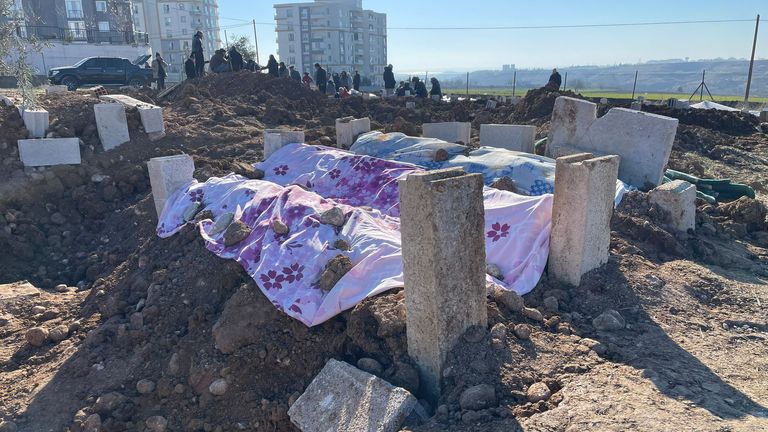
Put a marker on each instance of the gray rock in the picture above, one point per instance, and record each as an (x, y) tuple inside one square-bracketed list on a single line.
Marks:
[(494, 270), (222, 223), (333, 216), (58, 218), (92, 423), (145, 386), (61, 288), (342, 388), (279, 227), (8, 426), (510, 299), (478, 397), (191, 211), (108, 402), (37, 336), (499, 331), (609, 320), (341, 245), (218, 387), (538, 392), (533, 314), (523, 331), (370, 365), (551, 304), (236, 232), (156, 423), (336, 268), (58, 333)]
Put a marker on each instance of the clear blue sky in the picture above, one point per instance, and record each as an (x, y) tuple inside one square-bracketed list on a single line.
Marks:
[(436, 51)]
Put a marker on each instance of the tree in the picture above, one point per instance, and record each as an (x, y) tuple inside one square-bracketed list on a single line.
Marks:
[(578, 85), (15, 49), (245, 47)]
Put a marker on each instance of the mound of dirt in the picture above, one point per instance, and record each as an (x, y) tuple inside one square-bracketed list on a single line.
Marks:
[(538, 104), (729, 122)]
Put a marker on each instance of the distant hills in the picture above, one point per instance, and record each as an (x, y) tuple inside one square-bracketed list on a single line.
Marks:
[(723, 77)]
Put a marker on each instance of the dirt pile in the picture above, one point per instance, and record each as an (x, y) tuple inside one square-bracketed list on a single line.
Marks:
[(729, 122), (538, 104), (157, 331)]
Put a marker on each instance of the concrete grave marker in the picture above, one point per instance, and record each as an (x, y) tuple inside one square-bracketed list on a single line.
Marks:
[(36, 121), (410, 105), (275, 139), (441, 222), (511, 137), (642, 140), (49, 151), (166, 174), (111, 124), (344, 398), (455, 132), (349, 128), (581, 215), (678, 198), (491, 104), (151, 115)]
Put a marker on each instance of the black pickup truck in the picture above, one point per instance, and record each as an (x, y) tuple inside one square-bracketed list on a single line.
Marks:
[(102, 70)]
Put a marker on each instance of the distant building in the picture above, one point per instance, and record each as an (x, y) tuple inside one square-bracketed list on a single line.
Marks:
[(339, 34), (507, 68), (74, 29), (171, 25)]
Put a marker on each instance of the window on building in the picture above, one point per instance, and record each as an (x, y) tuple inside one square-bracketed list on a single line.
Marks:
[(183, 18), (305, 37), (291, 49), (103, 26), (289, 13), (169, 35), (329, 35), (185, 44), (290, 37), (171, 44), (101, 6), (76, 29), (357, 36), (135, 10), (184, 31), (181, 6), (167, 8), (74, 9)]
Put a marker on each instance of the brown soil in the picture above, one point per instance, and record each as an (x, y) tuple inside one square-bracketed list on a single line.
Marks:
[(690, 357)]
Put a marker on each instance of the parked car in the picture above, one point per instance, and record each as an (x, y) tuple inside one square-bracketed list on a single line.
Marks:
[(102, 70)]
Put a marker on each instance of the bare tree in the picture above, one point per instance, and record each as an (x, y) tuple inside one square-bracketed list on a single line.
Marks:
[(15, 50)]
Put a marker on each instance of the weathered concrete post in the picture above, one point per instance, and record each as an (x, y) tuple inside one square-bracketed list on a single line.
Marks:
[(112, 125), (36, 121), (678, 198), (349, 128), (275, 139), (455, 132), (441, 223), (166, 174), (581, 215), (511, 137)]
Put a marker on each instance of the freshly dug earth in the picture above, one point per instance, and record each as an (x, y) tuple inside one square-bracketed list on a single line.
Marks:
[(669, 335)]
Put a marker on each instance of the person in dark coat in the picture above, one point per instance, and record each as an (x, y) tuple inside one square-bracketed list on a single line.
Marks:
[(272, 66), (321, 77), (197, 53), (555, 80), (189, 67), (389, 78), (218, 62), (336, 81), (283, 71), (356, 81), (405, 86), (344, 80), (295, 75), (420, 88), (235, 59), (435, 90)]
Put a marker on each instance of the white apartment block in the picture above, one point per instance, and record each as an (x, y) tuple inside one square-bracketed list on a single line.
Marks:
[(338, 34), (171, 25)]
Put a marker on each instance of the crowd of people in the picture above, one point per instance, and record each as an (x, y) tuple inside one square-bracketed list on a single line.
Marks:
[(339, 85)]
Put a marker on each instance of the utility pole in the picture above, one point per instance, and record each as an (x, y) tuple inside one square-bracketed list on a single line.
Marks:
[(565, 81), (514, 83), (752, 60), (467, 84), (256, 42), (634, 86)]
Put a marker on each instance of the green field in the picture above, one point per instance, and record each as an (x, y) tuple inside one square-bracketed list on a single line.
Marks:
[(498, 91)]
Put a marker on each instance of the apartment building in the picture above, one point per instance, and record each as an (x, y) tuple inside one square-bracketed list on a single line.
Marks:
[(74, 29), (171, 25), (339, 34)]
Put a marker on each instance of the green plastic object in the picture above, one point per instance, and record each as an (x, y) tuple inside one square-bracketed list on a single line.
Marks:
[(712, 190)]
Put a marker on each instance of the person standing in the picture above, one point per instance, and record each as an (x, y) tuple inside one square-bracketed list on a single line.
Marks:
[(283, 71), (189, 67), (435, 90), (235, 59), (356, 81), (272, 66), (389, 81), (307, 80), (555, 80), (295, 75), (344, 80), (321, 77), (197, 53), (158, 71)]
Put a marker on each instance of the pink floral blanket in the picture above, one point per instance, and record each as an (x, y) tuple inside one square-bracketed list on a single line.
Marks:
[(304, 181)]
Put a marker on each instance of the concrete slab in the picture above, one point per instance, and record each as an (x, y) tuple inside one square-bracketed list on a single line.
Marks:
[(678, 199), (642, 140), (581, 215), (443, 266), (36, 122), (511, 137), (344, 398), (166, 174), (275, 139), (53, 89), (455, 132), (764, 116), (410, 105), (349, 128), (151, 115), (491, 104), (112, 125), (49, 151)]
